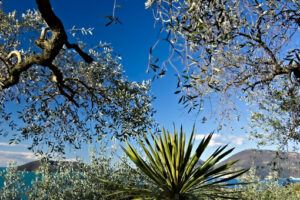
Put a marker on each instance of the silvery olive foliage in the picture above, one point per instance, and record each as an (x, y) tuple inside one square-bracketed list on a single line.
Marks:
[(239, 48), (69, 100), (13, 183), (266, 189), (79, 181)]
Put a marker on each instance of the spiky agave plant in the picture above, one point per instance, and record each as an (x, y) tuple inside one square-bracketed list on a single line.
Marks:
[(173, 168)]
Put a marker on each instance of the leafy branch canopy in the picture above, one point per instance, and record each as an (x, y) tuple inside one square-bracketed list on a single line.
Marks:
[(54, 93), (248, 48)]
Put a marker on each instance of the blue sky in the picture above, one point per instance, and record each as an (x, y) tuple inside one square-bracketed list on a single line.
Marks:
[(132, 40)]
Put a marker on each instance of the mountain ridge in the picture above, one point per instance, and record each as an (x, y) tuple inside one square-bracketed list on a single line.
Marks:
[(265, 161), (33, 166)]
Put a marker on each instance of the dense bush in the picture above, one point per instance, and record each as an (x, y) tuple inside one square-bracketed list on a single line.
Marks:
[(296, 187), (72, 181), (267, 189), (14, 186)]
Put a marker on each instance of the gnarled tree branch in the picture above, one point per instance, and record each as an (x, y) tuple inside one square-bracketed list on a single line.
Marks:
[(50, 49), (16, 53)]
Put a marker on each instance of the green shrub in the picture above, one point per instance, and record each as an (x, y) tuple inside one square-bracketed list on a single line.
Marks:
[(13, 187), (296, 187), (265, 189), (65, 181)]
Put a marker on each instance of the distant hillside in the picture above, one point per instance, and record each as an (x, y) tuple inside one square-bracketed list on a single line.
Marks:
[(266, 161), (30, 167), (34, 165)]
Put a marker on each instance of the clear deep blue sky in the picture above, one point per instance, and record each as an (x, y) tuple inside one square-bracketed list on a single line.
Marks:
[(132, 40)]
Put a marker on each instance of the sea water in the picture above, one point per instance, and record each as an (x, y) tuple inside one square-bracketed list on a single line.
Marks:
[(28, 177)]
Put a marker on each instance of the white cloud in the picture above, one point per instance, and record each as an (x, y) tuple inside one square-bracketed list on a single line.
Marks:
[(219, 140), (18, 157), (213, 143), (238, 141), (21, 158), (5, 144), (199, 136)]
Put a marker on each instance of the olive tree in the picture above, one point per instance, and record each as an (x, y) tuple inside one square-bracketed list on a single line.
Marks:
[(244, 48), (54, 93)]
